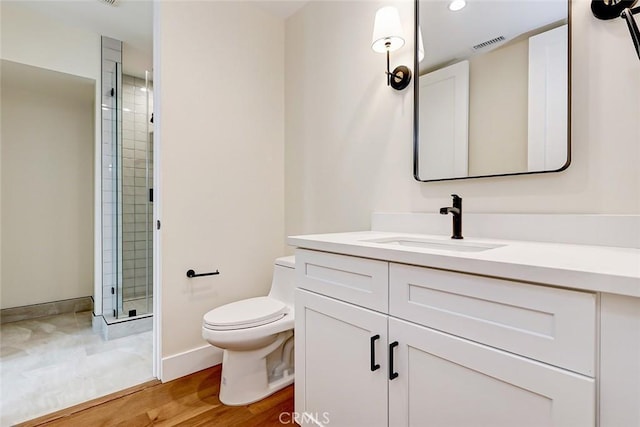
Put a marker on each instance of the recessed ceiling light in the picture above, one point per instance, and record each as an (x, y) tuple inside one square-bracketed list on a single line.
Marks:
[(456, 5)]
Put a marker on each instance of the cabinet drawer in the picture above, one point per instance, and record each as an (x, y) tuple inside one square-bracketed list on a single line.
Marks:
[(555, 326), (359, 281)]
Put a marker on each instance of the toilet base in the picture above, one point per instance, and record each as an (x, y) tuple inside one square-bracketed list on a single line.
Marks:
[(245, 378)]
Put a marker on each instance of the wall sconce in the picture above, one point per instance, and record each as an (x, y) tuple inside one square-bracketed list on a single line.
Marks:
[(611, 9), (387, 37)]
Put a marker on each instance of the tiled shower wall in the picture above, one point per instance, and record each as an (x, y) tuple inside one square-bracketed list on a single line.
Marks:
[(137, 180)]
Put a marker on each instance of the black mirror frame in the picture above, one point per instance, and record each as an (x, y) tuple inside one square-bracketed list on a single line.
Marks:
[(416, 130)]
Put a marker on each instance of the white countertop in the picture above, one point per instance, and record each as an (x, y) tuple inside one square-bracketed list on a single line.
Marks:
[(590, 268)]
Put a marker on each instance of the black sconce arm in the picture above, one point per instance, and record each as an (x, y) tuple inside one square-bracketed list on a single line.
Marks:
[(400, 77), (627, 15)]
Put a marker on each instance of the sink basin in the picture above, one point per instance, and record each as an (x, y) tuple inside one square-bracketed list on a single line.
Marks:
[(452, 245)]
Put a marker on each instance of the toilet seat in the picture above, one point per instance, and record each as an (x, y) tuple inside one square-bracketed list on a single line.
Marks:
[(246, 313)]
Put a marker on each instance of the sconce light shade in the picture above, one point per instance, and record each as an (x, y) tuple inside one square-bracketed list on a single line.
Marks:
[(387, 30)]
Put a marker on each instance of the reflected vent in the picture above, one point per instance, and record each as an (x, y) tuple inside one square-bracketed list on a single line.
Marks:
[(489, 43), (109, 2)]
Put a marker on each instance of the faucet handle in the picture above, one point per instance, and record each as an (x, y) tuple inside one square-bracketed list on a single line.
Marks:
[(457, 201)]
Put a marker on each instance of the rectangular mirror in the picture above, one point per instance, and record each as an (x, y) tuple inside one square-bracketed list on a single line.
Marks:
[(492, 96)]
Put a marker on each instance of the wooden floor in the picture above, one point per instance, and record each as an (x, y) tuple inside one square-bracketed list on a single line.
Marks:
[(188, 401)]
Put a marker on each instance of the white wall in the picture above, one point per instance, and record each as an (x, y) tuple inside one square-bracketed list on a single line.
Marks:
[(35, 39), (498, 95), (31, 38), (349, 137), (47, 185), (220, 127)]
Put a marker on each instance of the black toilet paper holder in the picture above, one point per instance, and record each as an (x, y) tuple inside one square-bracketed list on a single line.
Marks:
[(191, 274)]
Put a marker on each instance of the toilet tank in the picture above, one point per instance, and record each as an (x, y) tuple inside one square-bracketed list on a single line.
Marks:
[(283, 283)]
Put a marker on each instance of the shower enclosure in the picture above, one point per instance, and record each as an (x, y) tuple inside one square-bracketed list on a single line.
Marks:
[(127, 189)]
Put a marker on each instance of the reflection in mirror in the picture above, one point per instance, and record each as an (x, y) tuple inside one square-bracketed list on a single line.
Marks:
[(493, 88)]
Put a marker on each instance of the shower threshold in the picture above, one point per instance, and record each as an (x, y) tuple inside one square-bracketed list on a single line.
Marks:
[(117, 328)]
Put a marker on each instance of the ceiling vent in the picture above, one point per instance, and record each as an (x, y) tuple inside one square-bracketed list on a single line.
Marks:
[(110, 2), (489, 43)]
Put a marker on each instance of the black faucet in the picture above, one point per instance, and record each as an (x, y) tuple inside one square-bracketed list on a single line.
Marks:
[(456, 211)]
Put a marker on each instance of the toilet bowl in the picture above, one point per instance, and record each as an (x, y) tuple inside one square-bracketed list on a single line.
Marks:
[(256, 336)]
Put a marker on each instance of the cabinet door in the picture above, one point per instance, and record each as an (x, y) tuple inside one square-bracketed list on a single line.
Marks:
[(446, 381), (336, 382)]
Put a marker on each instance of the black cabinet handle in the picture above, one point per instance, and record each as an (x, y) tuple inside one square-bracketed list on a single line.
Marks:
[(374, 365), (392, 374)]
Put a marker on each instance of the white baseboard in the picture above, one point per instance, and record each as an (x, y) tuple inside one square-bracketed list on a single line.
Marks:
[(188, 362)]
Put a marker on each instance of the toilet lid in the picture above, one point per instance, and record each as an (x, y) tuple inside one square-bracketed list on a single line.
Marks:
[(246, 313)]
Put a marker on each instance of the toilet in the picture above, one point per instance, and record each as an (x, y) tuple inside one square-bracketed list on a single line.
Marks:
[(256, 335)]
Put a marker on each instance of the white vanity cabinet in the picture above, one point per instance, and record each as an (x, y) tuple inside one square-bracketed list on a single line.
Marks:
[(438, 348)]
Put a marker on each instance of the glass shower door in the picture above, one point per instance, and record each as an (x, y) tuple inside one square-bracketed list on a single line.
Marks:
[(127, 214), (137, 190)]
